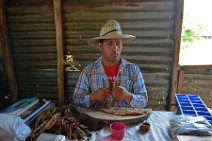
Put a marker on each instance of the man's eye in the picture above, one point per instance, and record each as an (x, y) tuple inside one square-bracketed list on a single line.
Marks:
[(110, 44)]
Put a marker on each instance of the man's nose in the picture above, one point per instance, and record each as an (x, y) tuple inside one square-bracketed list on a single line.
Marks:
[(115, 47)]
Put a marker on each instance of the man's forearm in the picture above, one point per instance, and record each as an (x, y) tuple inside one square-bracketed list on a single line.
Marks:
[(139, 101)]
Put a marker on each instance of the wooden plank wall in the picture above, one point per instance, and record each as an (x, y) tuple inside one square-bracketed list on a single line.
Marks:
[(33, 42), (196, 80)]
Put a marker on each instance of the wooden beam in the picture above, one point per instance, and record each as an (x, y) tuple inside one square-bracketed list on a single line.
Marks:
[(191, 67), (59, 40), (175, 66), (6, 54), (180, 81)]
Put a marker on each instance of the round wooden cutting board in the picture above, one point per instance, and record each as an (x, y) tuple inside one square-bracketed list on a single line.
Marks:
[(97, 114)]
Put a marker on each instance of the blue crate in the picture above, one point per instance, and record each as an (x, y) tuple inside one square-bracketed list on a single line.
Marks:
[(192, 105)]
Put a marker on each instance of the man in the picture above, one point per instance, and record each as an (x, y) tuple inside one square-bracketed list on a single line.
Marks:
[(111, 81)]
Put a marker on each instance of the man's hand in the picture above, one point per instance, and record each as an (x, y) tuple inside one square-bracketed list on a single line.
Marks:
[(101, 95), (120, 93)]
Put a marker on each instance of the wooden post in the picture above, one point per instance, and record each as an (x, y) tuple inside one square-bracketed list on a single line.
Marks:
[(6, 54), (59, 40), (175, 66), (180, 81)]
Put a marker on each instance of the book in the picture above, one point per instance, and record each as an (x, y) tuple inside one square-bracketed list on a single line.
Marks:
[(18, 106), (32, 119), (34, 110), (27, 107)]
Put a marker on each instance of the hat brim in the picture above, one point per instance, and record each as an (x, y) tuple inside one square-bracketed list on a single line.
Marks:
[(125, 38)]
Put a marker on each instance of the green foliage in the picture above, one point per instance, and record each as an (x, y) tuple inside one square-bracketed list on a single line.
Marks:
[(189, 35)]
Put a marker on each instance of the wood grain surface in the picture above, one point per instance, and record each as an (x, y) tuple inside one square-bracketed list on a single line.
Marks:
[(97, 114)]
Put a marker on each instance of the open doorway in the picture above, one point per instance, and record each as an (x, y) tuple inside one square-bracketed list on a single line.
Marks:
[(196, 43)]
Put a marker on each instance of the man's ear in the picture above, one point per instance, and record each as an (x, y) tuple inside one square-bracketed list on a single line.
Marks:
[(100, 46)]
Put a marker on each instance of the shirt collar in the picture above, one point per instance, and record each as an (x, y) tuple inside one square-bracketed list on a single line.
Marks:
[(99, 65)]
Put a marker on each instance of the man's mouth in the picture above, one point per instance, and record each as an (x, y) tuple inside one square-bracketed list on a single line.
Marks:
[(115, 54)]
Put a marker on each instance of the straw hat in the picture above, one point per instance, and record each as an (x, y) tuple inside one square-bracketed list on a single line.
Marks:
[(111, 30)]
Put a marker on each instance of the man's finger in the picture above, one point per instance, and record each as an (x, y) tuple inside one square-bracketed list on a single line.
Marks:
[(119, 103)]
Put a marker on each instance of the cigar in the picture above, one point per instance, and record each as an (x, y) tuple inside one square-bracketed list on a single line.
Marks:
[(112, 85)]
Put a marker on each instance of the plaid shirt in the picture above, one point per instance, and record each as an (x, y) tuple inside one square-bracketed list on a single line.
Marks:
[(94, 77)]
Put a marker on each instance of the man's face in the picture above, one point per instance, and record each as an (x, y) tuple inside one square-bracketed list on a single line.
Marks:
[(111, 49)]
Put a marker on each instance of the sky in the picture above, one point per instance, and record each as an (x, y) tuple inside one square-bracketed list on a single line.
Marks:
[(199, 11)]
